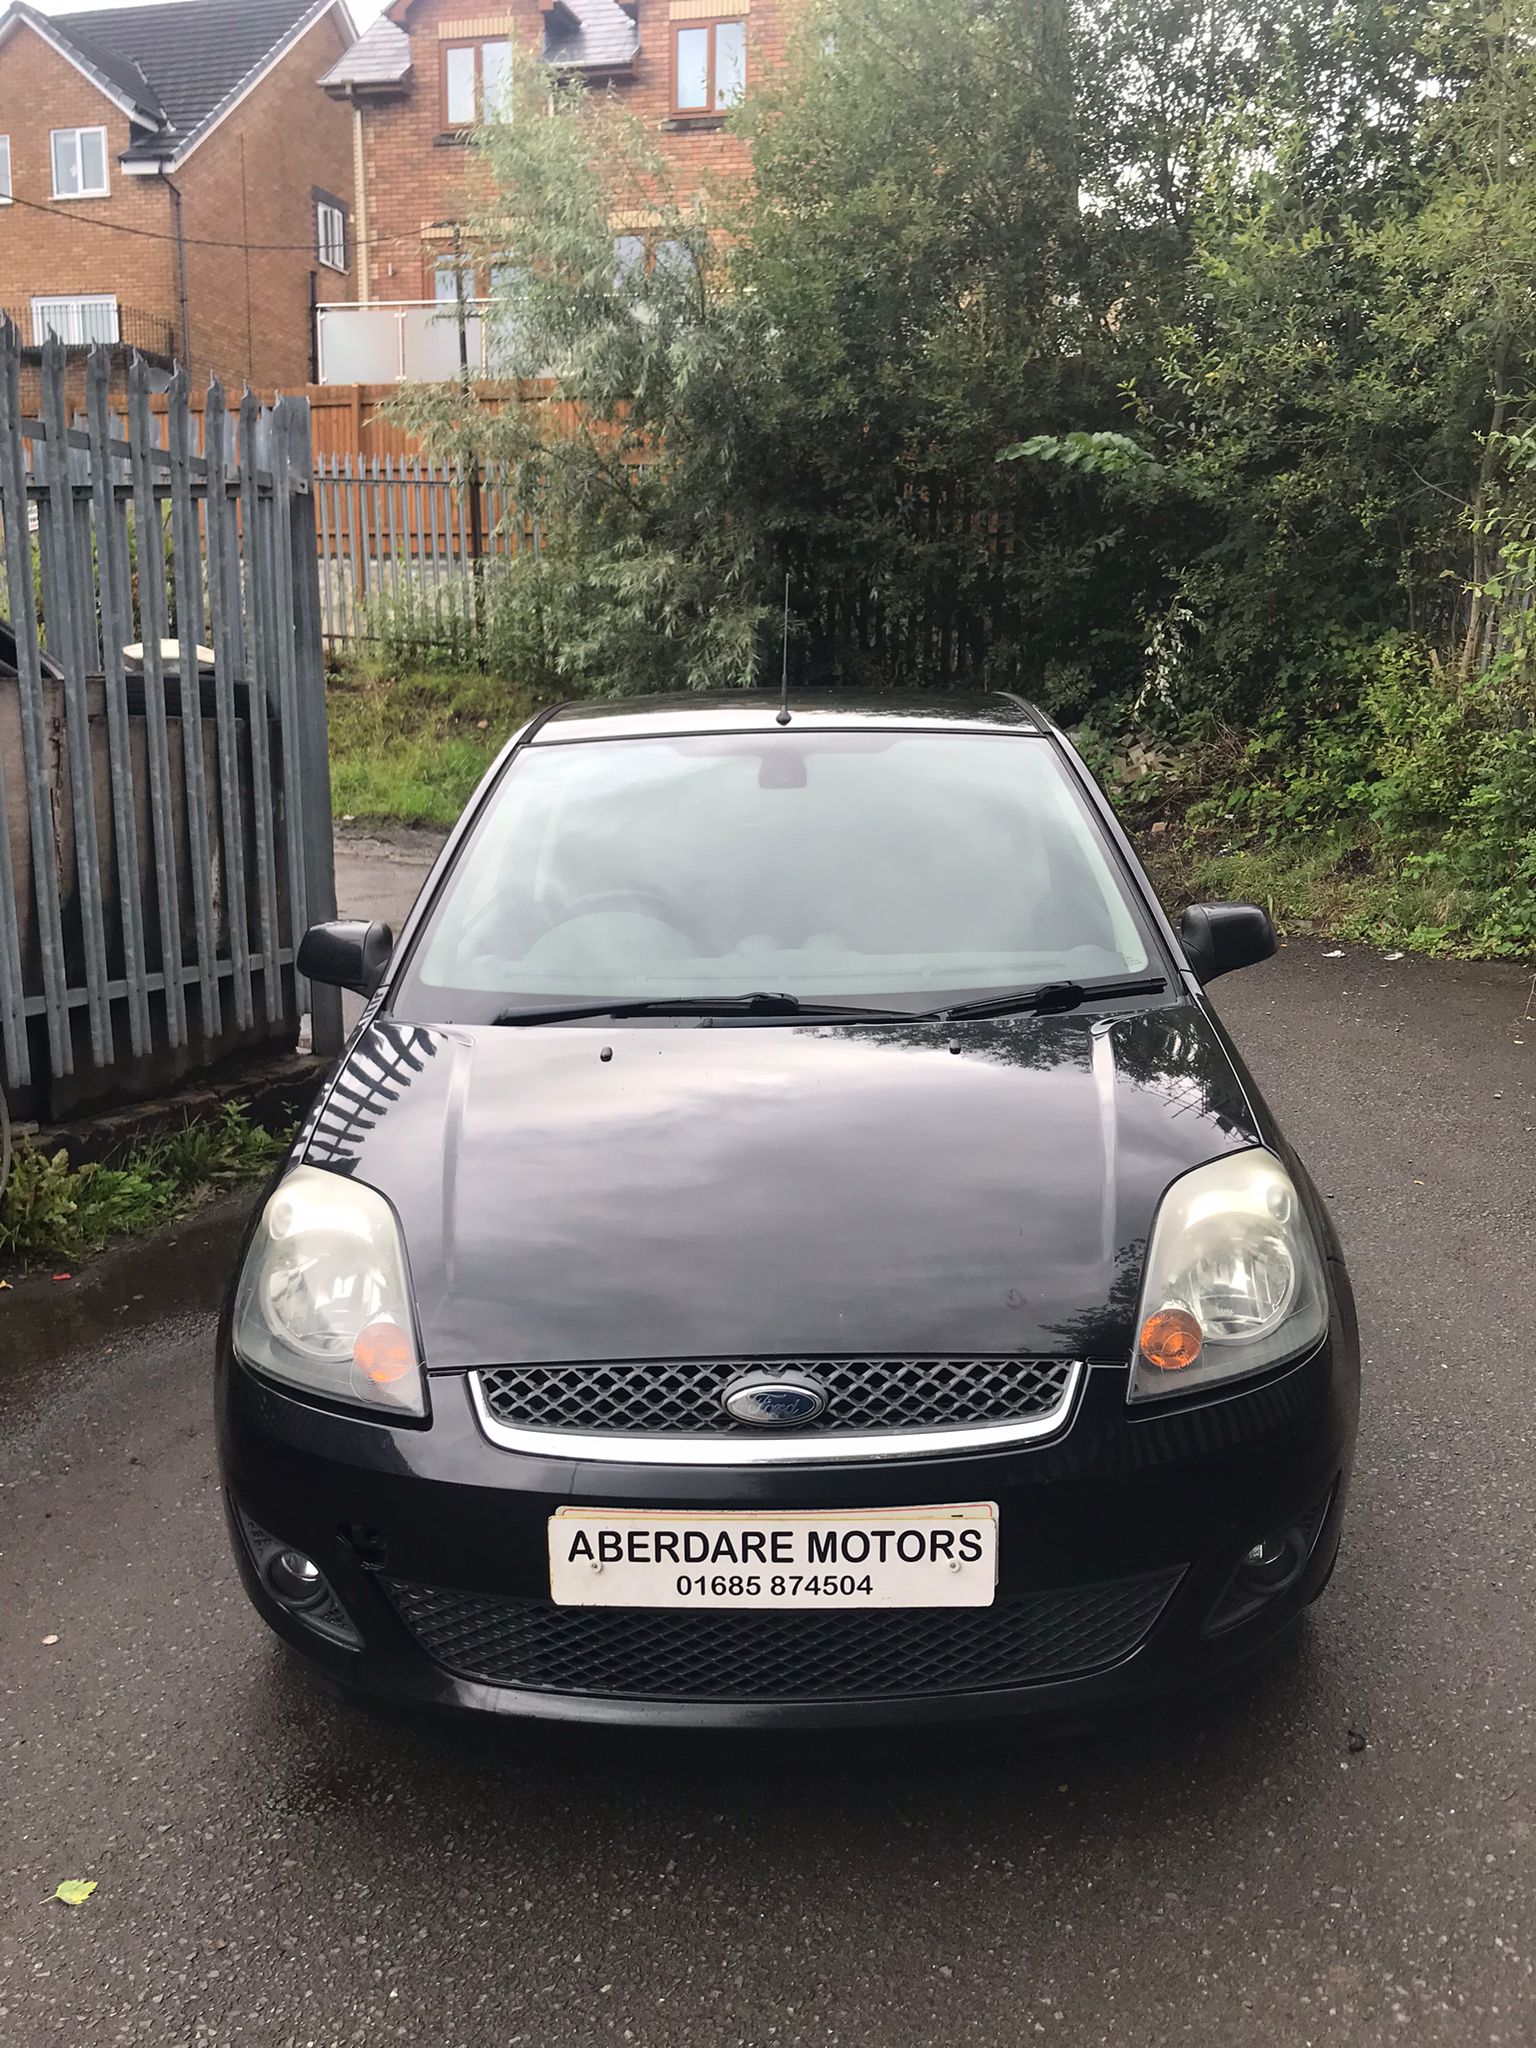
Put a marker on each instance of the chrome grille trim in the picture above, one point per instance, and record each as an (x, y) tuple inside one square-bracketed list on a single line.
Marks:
[(781, 1448)]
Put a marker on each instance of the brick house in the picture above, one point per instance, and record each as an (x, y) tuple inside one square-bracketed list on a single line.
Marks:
[(172, 179), (416, 81)]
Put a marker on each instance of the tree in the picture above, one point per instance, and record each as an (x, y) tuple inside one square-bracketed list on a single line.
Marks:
[(1287, 256), (646, 572), (822, 387)]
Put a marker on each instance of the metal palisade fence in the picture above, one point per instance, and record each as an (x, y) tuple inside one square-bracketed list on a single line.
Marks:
[(165, 821)]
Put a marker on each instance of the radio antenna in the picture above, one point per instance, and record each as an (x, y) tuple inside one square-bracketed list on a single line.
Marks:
[(783, 717)]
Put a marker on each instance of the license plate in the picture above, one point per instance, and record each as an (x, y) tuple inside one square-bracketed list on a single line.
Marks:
[(904, 1557)]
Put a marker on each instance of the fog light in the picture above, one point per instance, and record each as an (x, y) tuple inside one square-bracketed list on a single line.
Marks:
[(1267, 1569), (295, 1579), (1272, 1563)]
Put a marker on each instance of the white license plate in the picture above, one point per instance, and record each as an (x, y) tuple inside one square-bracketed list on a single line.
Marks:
[(904, 1557)]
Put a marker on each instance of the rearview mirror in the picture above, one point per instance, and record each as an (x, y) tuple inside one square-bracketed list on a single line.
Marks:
[(346, 953), (1220, 936)]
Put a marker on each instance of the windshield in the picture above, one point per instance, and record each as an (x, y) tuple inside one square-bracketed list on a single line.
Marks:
[(898, 867)]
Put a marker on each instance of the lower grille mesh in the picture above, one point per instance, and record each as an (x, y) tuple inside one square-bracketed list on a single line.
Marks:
[(645, 1653)]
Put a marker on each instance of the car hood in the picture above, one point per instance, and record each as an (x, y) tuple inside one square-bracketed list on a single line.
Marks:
[(783, 1191)]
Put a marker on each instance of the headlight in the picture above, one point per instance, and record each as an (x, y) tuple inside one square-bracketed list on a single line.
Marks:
[(1233, 1283), (323, 1301)]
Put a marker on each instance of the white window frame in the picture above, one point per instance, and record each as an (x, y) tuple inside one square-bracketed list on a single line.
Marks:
[(330, 247), (5, 170), (101, 191), (45, 303)]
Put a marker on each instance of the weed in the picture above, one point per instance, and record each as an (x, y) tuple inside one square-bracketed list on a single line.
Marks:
[(53, 1209), (412, 746)]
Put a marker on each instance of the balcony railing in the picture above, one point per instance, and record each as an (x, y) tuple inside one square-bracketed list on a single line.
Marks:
[(414, 340), (86, 322)]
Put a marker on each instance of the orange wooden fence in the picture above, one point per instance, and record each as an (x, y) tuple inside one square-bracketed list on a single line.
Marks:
[(347, 419)]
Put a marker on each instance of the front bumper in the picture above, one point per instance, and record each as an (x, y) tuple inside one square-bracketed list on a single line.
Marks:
[(1118, 1544)]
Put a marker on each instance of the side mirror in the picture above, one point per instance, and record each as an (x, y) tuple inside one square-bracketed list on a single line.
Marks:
[(1220, 936), (347, 953)]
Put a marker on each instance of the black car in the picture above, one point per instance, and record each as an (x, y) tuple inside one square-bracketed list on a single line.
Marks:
[(788, 1242)]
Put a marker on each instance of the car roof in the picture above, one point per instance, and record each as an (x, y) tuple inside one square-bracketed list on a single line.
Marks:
[(742, 711)]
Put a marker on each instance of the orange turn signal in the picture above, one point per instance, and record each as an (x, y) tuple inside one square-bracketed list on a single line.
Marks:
[(1171, 1339), (382, 1353)]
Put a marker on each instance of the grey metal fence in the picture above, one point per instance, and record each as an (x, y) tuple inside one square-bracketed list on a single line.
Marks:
[(165, 821), (402, 542)]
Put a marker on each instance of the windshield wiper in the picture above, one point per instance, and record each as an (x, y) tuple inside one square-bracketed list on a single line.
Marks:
[(1052, 997), (760, 1003)]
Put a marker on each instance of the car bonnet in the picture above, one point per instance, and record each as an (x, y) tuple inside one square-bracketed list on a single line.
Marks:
[(579, 1192)]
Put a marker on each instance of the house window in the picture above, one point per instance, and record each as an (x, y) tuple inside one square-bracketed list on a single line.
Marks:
[(446, 272), (709, 66), (78, 320), (476, 77), (628, 259), (79, 163), (5, 170), (330, 232), (676, 259), (635, 257)]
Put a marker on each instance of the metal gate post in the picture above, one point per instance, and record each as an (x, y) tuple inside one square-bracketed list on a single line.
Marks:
[(293, 423)]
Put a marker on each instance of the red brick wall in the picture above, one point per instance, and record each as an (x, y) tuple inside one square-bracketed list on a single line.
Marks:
[(294, 137), (253, 183), (57, 250), (416, 176)]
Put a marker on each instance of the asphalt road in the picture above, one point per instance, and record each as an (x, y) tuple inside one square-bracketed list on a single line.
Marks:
[(272, 1870)]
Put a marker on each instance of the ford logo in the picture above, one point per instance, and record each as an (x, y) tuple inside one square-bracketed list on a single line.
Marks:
[(774, 1404)]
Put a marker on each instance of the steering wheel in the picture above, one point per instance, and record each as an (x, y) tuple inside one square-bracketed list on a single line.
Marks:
[(649, 901)]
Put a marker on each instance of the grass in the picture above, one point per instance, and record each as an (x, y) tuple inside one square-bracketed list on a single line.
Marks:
[(1338, 885), (411, 746), (1213, 822), (51, 1209)]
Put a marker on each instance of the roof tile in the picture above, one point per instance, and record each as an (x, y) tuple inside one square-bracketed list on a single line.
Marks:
[(179, 60)]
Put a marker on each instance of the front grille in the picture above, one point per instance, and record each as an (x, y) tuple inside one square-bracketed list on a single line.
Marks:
[(900, 1653), (683, 1397)]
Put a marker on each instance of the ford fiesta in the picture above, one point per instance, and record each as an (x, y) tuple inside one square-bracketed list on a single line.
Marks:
[(788, 1242)]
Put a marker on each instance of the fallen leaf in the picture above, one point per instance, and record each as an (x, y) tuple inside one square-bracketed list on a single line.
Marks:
[(74, 1891)]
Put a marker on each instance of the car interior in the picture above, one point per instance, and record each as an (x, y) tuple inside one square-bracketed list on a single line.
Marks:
[(824, 863)]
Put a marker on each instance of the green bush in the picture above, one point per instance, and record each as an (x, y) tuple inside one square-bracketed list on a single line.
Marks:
[(53, 1209), (1406, 811)]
